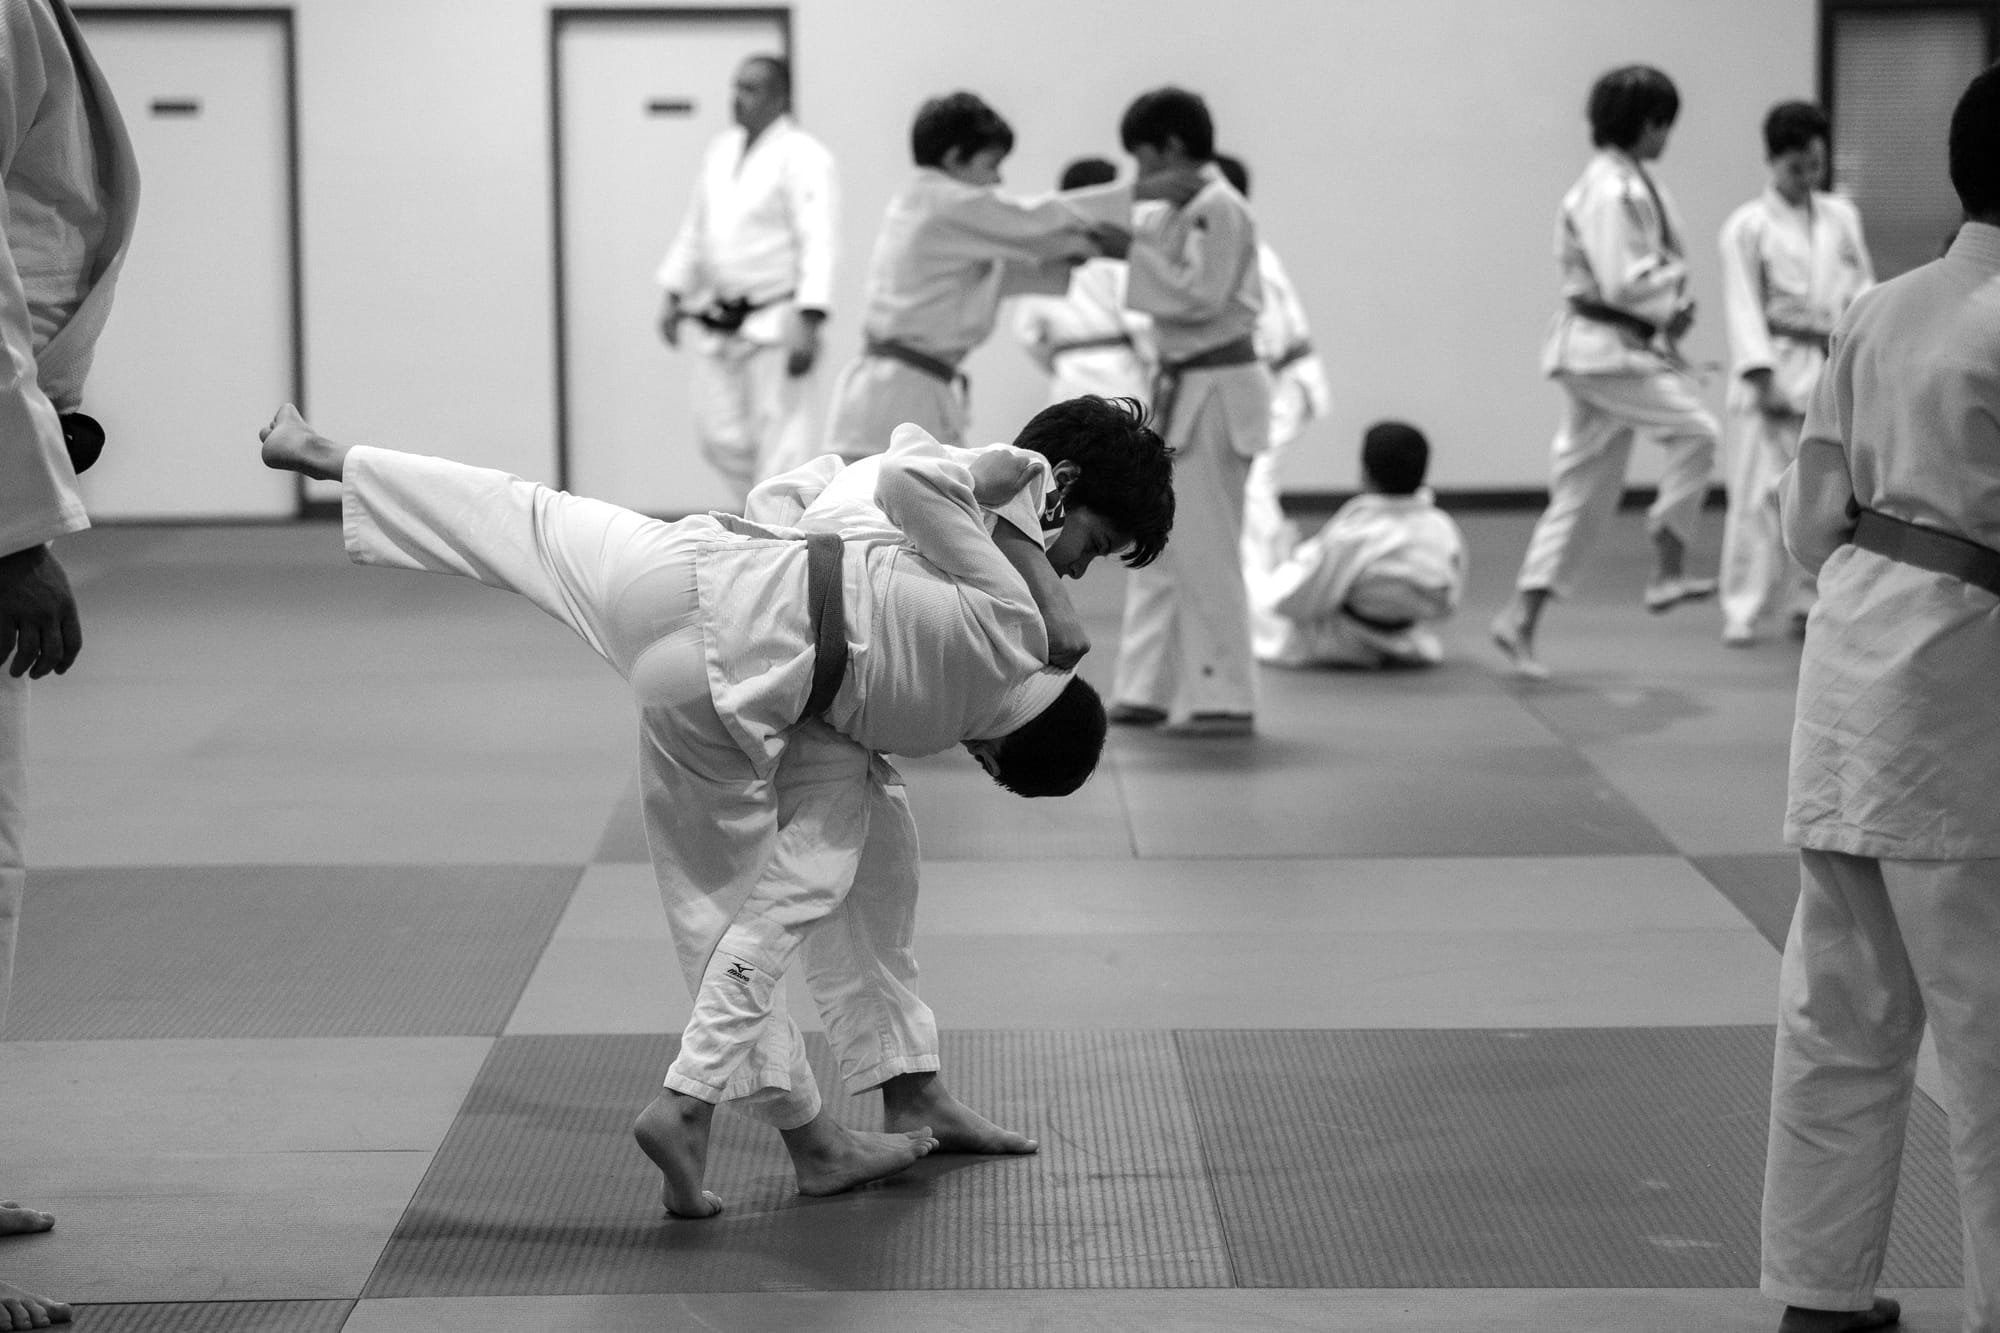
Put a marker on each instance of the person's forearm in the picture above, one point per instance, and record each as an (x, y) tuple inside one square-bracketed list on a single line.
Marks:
[(1031, 562)]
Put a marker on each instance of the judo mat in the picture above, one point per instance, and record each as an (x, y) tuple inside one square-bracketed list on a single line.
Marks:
[(1764, 888), (214, 1317), (280, 951), (1575, 1158)]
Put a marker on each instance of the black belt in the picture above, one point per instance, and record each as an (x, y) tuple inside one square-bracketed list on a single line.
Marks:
[(1611, 314), (936, 367), (83, 438), (728, 316), (1928, 548), (1298, 351), (1086, 344), (1167, 384), (829, 620), (1376, 623), (1799, 333)]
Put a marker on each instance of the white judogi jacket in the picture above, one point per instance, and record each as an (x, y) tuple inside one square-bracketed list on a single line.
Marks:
[(1092, 309), (1194, 270), (759, 224), (1391, 557), (1793, 267), (1299, 391), (72, 195), (1618, 240), (1896, 745)]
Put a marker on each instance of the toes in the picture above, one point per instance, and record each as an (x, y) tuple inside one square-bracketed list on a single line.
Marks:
[(711, 1205)]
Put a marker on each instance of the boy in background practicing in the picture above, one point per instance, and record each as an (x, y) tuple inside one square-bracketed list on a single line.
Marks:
[(1364, 590), (1792, 262), (1088, 340)]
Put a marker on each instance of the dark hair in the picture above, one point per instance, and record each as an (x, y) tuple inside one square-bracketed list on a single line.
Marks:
[(1395, 455), (959, 121), (781, 70), (1165, 113), (1088, 171), (1055, 751), (1235, 173), (1126, 471), (1791, 126), (1628, 101), (1975, 145)]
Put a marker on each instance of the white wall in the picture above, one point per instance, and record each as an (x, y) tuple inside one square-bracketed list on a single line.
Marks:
[(1408, 157)]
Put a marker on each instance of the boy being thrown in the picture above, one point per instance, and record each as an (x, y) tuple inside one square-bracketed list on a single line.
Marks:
[(730, 634)]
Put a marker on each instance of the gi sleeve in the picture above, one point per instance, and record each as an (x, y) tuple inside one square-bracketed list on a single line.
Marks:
[(933, 503), (782, 500), (38, 496), (1614, 228), (1816, 502), (1194, 281), (984, 224), (812, 196), (1743, 295)]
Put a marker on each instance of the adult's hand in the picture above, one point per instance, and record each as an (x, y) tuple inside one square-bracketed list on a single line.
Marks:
[(805, 347), (39, 628), (671, 316)]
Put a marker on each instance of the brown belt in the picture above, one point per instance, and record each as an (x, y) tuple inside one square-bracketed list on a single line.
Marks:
[(1611, 314), (1167, 384), (936, 367), (1298, 351), (1799, 333), (727, 316), (1087, 344), (1928, 548), (829, 620)]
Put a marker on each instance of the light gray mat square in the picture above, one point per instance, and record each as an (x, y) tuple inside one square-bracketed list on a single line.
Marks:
[(215, 1317), (1626, 1157), (539, 1189), (280, 951)]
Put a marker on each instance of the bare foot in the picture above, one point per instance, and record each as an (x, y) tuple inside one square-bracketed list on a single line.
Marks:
[(291, 445), (1885, 1313), (913, 1101), (23, 1309), (673, 1132), (18, 1221), (828, 1157)]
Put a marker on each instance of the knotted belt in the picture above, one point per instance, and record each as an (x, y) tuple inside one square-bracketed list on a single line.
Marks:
[(936, 367), (829, 620), (1601, 313), (1167, 384), (1928, 548), (727, 316)]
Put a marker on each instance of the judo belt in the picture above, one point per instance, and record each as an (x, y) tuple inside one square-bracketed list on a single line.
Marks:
[(1376, 623), (1927, 548), (829, 620), (728, 316), (1798, 333), (1087, 344), (936, 367), (1611, 314), (1298, 351), (1167, 384), (83, 438)]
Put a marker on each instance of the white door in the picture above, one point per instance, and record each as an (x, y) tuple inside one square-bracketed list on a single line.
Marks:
[(199, 348), (638, 98)]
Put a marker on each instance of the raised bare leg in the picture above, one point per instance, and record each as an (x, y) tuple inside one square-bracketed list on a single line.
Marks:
[(1885, 1313), (921, 1100), (290, 445), (1514, 631), (828, 1157), (673, 1132)]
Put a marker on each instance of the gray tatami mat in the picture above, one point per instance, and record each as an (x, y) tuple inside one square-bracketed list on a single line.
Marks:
[(215, 1317), (539, 1189), (1764, 888), (280, 951), (1630, 1157)]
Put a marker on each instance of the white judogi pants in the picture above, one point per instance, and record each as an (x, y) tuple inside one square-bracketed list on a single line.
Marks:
[(1592, 446), (1185, 644), (750, 413), (876, 394), (1876, 947), (739, 884), (13, 815), (1268, 537), (1759, 578)]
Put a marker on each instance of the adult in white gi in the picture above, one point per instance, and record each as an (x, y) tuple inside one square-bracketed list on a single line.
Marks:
[(1895, 756), (1365, 589), (1792, 261), (1184, 654), (752, 269), (1611, 348), (72, 192), (950, 248), (756, 822), (1089, 340), (1299, 394)]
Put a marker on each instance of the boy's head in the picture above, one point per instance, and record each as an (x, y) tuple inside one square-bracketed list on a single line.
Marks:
[(1052, 753), (1795, 135), (1087, 171), (1234, 172), (1975, 147), (1630, 107), (961, 136), (1168, 127), (1117, 477), (1394, 457)]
